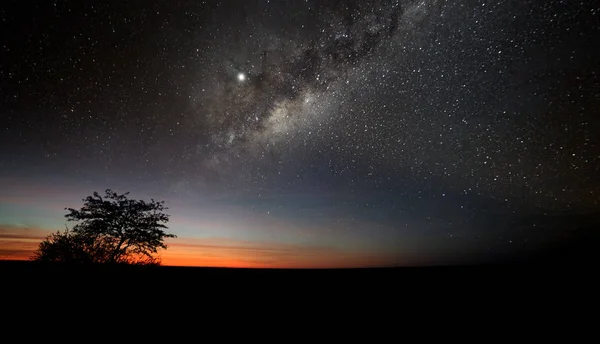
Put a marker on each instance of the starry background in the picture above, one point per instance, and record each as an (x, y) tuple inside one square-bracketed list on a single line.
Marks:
[(308, 133)]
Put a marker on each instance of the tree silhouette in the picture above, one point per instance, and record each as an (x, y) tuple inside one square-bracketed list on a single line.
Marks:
[(63, 247), (111, 229)]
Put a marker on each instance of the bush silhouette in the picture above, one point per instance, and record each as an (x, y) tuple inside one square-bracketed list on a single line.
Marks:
[(110, 229)]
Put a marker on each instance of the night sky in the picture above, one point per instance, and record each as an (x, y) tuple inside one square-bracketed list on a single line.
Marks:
[(307, 133)]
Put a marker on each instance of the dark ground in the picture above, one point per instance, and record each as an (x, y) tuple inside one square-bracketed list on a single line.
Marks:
[(317, 297), (559, 285), (551, 272)]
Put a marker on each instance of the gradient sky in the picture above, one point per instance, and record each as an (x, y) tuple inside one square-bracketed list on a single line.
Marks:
[(306, 133)]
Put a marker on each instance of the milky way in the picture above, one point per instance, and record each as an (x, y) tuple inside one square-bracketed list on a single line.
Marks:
[(294, 92), (406, 85), (433, 125)]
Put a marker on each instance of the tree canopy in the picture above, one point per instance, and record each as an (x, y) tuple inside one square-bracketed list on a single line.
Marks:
[(110, 229)]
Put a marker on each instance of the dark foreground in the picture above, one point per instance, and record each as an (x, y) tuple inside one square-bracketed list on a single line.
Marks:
[(176, 292), (25, 274)]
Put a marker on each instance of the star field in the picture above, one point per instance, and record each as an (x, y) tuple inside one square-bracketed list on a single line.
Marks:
[(417, 131)]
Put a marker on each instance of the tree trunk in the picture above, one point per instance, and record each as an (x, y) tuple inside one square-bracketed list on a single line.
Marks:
[(117, 250)]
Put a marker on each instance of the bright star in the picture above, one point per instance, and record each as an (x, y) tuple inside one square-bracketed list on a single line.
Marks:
[(241, 76)]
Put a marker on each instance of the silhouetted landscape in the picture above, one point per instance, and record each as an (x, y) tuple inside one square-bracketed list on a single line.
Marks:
[(574, 257), (565, 272), (297, 145)]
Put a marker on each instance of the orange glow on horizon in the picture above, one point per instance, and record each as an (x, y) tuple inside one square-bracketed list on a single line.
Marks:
[(19, 244)]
